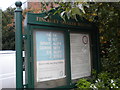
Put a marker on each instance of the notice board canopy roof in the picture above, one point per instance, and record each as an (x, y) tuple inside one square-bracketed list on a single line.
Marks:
[(56, 20)]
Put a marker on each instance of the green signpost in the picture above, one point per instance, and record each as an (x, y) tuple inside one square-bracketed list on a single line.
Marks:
[(18, 44), (58, 52)]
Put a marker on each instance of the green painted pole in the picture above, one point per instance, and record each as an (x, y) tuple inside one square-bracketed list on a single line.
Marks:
[(18, 44)]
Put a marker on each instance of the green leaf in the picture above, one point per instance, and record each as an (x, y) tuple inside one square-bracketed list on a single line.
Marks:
[(75, 11), (62, 13)]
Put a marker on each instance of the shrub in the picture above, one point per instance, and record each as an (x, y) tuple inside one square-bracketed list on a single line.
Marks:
[(102, 81)]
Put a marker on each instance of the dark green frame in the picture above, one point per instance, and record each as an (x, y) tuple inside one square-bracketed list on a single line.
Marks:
[(31, 24)]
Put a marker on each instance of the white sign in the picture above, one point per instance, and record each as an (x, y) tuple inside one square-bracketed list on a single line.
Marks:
[(50, 58), (50, 70), (80, 55)]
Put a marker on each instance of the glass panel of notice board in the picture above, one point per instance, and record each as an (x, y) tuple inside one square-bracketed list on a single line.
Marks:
[(80, 55), (49, 56)]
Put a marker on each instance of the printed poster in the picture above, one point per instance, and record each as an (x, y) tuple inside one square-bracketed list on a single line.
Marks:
[(50, 57), (80, 55)]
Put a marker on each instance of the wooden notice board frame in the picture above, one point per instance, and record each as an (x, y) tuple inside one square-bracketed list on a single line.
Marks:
[(55, 23)]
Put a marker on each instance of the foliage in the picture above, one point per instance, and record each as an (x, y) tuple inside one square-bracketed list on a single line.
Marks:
[(103, 80), (8, 29), (109, 18), (83, 83)]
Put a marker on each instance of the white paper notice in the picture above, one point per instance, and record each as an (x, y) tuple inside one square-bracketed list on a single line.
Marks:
[(50, 58), (80, 55), (50, 70)]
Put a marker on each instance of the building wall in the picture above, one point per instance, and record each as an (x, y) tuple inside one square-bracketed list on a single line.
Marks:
[(39, 5)]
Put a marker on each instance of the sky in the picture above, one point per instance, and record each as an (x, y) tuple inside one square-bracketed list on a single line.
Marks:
[(7, 3)]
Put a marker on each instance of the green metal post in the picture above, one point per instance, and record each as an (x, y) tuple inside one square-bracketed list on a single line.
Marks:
[(18, 43)]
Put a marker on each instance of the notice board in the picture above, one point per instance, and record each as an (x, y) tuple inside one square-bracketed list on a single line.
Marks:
[(58, 52)]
